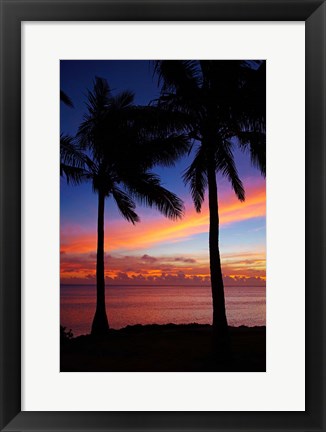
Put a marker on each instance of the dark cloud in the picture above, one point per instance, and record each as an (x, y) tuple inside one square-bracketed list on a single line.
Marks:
[(185, 260), (148, 258)]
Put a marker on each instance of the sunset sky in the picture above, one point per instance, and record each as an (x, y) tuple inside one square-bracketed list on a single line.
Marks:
[(155, 251)]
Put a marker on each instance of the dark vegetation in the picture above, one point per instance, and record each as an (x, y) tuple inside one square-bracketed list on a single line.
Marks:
[(166, 348)]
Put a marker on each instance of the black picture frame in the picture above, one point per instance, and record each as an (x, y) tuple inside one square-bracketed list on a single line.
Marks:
[(13, 12)]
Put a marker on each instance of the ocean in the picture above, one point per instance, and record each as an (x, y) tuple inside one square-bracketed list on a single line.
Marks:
[(129, 305)]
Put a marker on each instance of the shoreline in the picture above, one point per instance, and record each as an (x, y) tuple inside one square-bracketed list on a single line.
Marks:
[(171, 325)]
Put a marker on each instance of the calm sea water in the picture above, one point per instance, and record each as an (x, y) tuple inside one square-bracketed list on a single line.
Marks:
[(128, 305)]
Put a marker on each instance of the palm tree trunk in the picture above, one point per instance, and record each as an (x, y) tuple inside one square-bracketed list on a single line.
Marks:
[(100, 324), (220, 325)]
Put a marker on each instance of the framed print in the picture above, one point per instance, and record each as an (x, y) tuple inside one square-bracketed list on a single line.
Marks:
[(119, 310)]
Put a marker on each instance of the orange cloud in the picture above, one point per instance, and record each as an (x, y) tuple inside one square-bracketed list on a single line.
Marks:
[(134, 268), (123, 235)]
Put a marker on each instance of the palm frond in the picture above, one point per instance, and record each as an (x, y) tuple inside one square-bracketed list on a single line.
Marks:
[(255, 143), (163, 151), (225, 164), (189, 104), (159, 120), (75, 165), (98, 98), (122, 100), (196, 177), (147, 190), (93, 130), (178, 75), (249, 111), (125, 205), (256, 87), (73, 175), (85, 133), (70, 154), (66, 99)]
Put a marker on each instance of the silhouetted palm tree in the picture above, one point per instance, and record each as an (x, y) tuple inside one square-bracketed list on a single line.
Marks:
[(116, 146), (225, 105)]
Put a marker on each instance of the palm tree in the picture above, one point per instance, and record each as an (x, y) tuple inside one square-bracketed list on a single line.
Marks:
[(116, 146), (225, 105)]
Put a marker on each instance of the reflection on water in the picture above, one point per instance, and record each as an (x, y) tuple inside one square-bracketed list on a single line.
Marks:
[(128, 305)]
